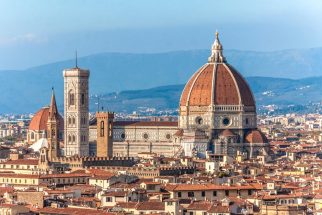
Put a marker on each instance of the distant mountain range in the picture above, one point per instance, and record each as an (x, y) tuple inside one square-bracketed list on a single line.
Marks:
[(28, 90), (279, 91)]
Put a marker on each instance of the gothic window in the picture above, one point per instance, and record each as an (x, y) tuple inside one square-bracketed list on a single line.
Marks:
[(246, 121), (69, 138), (83, 98), (74, 138), (74, 121), (69, 120), (102, 129), (71, 98)]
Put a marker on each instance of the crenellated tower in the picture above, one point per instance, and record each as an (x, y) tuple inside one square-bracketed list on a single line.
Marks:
[(104, 134)]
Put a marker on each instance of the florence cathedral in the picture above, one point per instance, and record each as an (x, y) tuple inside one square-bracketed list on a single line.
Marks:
[(217, 117)]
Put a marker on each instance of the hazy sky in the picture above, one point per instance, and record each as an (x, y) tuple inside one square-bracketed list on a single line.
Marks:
[(35, 32)]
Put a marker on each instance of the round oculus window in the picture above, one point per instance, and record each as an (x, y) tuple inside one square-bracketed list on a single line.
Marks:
[(226, 121), (199, 120), (145, 136), (168, 136), (123, 136)]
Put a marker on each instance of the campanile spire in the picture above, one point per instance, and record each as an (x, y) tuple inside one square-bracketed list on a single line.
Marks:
[(53, 128), (53, 112), (216, 51)]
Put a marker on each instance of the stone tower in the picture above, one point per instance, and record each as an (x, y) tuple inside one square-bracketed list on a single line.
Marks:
[(104, 134), (76, 111), (53, 129)]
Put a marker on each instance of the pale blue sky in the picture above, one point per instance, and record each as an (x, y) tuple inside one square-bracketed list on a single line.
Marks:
[(35, 32)]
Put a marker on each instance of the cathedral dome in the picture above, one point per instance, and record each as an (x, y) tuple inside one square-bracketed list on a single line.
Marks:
[(217, 83), (255, 136), (39, 120)]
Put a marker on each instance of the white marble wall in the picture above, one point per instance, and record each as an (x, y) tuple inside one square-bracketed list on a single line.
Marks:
[(76, 115)]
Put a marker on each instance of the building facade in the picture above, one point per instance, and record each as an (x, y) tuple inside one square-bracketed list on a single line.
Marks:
[(217, 115)]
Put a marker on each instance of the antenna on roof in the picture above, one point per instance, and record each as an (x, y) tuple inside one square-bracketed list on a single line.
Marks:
[(76, 59)]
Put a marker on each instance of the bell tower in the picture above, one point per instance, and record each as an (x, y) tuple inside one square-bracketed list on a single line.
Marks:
[(76, 111), (53, 129), (104, 134)]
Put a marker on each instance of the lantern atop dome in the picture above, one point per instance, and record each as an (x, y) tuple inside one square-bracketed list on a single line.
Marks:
[(216, 51)]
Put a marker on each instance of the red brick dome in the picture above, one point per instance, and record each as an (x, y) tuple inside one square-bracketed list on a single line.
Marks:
[(227, 133), (255, 136), (39, 120), (217, 83)]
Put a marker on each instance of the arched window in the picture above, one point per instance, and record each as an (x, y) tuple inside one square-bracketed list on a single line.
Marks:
[(69, 138), (74, 138), (69, 120), (102, 129), (74, 121), (83, 98), (71, 98), (110, 128)]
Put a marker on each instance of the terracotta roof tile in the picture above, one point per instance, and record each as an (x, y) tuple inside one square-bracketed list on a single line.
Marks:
[(148, 206), (66, 175), (21, 162), (255, 136), (227, 133), (146, 123), (201, 187), (73, 211), (199, 205)]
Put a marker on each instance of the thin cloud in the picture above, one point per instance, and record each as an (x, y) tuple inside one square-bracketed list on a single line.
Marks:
[(23, 39)]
